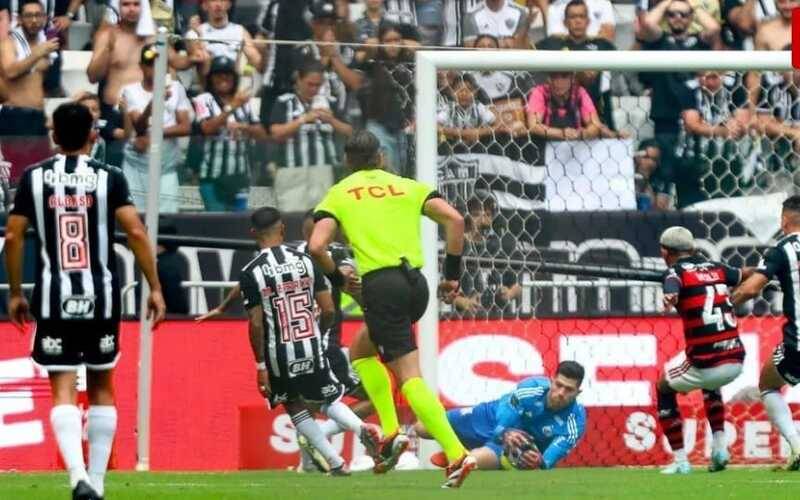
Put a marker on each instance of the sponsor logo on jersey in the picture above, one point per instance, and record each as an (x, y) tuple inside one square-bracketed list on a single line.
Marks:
[(301, 366), (289, 267), (78, 307), (85, 180)]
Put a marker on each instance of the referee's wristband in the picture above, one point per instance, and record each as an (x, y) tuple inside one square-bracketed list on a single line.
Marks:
[(336, 277), (452, 267), (261, 365)]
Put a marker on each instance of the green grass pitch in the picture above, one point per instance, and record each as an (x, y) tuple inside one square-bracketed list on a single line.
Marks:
[(647, 484)]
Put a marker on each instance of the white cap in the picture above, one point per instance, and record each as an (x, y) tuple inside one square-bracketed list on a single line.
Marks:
[(677, 238)]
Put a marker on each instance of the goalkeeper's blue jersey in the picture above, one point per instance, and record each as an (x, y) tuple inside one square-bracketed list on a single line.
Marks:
[(525, 408)]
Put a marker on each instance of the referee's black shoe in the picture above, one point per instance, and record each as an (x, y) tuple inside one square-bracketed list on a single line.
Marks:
[(84, 491)]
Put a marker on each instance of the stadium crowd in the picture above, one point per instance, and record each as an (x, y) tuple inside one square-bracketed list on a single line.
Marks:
[(243, 114)]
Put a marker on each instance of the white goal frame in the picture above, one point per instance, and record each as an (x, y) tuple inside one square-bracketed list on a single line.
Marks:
[(429, 62)]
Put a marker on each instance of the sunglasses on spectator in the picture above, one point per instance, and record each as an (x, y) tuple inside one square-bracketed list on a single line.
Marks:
[(678, 13)]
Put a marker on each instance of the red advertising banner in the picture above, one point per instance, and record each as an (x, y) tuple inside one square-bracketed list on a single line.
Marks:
[(207, 414), (796, 38)]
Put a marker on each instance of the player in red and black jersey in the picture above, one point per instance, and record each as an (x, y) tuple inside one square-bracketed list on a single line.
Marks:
[(698, 288)]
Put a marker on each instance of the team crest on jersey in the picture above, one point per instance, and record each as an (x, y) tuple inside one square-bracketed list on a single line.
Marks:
[(85, 180), (77, 307), (547, 430), (509, 23)]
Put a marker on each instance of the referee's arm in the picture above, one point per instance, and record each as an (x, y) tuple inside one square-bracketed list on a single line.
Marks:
[(445, 215)]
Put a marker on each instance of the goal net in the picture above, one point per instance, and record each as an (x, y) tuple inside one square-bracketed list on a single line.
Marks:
[(580, 158)]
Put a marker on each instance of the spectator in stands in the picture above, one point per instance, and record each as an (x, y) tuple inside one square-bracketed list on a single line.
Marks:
[(670, 95), (115, 55), (92, 103), (739, 22), (280, 20), (650, 194), (304, 127), (504, 92), (220, 37), (775, 34), (597, 83), (466, 124), (503, 19), (111, 128), (336, 60), (778, 121), (712, 148), (483, 293), (368, 27), (228, 125), (387, 96), (25, 57), (138, 99), (711, 7), (600, 20), (561, 109)]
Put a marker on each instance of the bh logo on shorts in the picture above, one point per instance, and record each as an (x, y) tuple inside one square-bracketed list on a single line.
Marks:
[(78, 307), (52, 346), (107, 344)]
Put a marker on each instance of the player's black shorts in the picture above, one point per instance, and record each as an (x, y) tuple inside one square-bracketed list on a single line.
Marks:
[(787, 362), (394, 299), (340, 366), (319, 386), (65, 345)]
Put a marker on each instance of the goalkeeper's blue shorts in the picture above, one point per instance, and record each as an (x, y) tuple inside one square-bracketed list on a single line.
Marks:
[(474, 427)]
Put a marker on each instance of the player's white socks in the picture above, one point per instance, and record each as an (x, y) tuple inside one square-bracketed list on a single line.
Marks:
[(344, 416), (67, 427), (308, 427), (101, 429), (679, 455), (330, 427), (781, 416), (718, 441)]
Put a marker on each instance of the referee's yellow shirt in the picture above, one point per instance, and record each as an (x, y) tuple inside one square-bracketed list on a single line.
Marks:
[(380, 214)]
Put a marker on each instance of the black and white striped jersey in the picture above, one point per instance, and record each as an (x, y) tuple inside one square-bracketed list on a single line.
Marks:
[(783, 262), (342, 255), (312, 145), (71, 202), (284, 281)]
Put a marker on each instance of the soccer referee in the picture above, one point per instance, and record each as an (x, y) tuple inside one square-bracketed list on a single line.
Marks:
[(380, 214)]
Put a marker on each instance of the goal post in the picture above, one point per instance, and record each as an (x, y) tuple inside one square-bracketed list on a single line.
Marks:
[(429, 63)]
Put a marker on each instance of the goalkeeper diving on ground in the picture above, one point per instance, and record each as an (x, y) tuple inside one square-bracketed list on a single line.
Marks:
[(532, 427)]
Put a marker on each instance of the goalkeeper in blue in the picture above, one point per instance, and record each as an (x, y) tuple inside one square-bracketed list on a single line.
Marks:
[(533, 427)]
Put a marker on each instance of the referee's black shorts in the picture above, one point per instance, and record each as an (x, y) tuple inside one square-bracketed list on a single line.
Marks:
[(394, 299)]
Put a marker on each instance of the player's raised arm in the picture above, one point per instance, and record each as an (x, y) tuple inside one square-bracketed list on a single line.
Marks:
[(223, 306)]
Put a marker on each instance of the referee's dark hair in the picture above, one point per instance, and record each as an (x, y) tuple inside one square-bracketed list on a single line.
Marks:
[(363, 151), (72, 124), (572, 370), (265, 219)]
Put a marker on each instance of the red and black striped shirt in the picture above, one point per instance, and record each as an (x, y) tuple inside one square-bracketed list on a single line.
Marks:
[(709, 322)]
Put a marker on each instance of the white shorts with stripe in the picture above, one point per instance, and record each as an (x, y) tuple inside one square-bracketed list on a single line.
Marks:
[(682, 376)]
